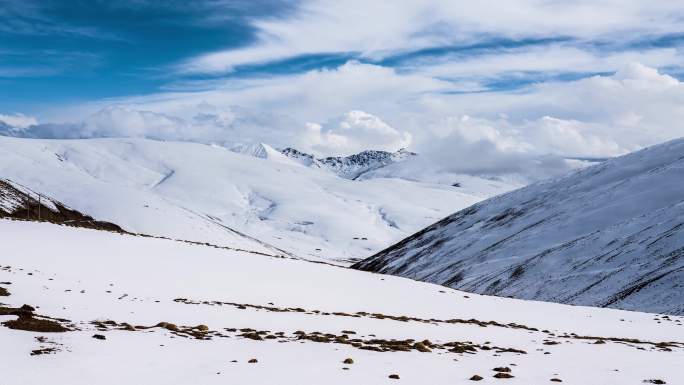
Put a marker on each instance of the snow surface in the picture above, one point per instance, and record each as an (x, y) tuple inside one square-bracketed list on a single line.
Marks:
[(211, 194), (86, 275), (608, 235)]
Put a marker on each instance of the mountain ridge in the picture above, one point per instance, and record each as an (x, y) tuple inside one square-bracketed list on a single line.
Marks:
[(351, 166)]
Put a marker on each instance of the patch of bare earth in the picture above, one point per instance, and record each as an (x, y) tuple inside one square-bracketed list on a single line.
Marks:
[(27, 320)]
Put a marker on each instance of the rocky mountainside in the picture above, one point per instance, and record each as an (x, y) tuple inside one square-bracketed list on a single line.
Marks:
[(352, 166), (611, 235), (20, 202)]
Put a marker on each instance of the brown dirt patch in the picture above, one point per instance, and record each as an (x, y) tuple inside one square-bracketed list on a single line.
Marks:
[(28, 321)]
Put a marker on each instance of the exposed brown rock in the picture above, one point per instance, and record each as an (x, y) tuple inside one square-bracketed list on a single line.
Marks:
[(503, 375), (168, 326)]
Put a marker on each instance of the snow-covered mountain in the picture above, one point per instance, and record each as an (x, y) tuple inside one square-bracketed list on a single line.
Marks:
[(6, 129), (610, 235), (205, 193), (80, 306), (352, 166)]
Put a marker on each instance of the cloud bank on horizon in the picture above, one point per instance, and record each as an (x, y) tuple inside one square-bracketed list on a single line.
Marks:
[(478, 86)]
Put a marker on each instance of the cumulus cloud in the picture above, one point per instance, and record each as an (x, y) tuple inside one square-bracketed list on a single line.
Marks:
[(533, 149), (117, 121), (532, 132), (637, 106), (595, 116), (313, 96), (110, 122), (319, 95), (353, 132)]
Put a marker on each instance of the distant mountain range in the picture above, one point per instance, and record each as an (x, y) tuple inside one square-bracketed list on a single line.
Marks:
[(352, 166), (348, 167), (610, 235)]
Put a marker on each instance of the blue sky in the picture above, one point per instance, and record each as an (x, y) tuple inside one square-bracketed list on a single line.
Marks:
[(275, 70), (56, 51)]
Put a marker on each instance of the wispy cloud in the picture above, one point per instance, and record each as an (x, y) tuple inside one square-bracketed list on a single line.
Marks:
[(377, 30)]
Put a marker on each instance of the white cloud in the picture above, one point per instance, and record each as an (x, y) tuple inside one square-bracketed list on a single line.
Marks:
[(477, 146), (353, 132), (204, 123), (118, 121), (528, 132), (377, 29), (549, 60), (636, 107), (314, 96)]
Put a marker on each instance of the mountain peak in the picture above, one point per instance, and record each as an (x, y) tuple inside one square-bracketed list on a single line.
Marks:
[(352, 166)]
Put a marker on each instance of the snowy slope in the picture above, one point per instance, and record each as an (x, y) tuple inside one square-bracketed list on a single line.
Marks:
[(609, 235), (210, 194), (269, 309), (259, 150)]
